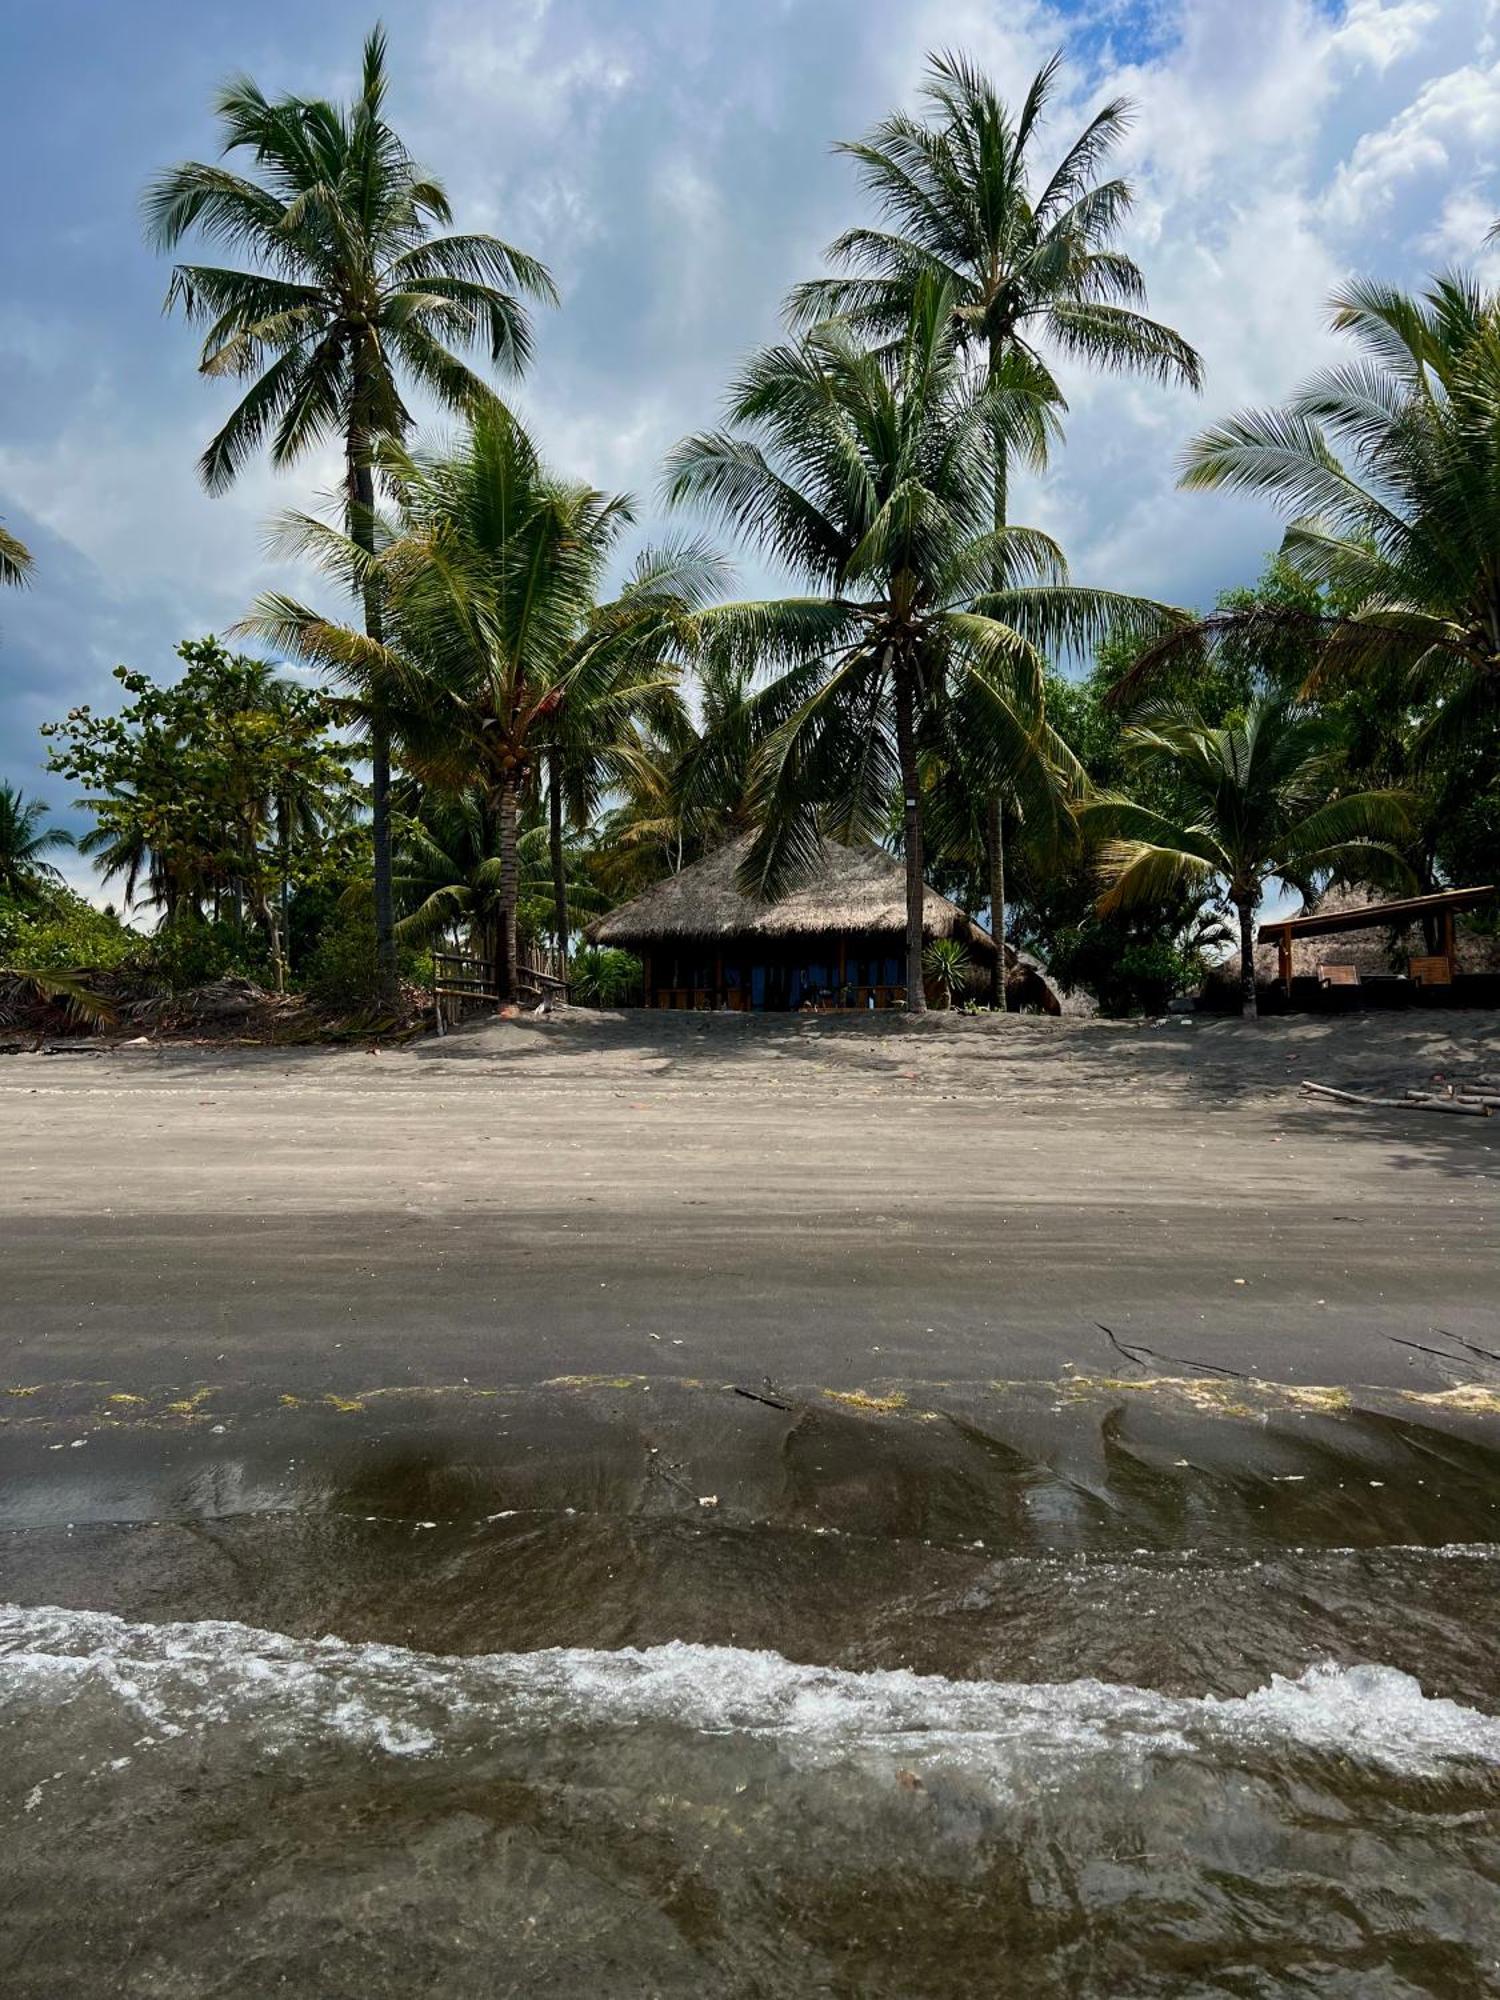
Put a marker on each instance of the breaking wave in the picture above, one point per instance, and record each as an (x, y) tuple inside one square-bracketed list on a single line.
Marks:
[(175, 1679)]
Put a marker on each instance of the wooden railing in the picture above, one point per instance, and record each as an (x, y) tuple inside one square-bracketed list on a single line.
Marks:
[(460, 981)]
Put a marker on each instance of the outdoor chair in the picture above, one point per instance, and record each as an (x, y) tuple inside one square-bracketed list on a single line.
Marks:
[(1339, 985), (1433, 978)]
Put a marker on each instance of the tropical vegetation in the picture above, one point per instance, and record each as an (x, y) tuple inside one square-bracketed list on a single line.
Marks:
[(499, 716), (1030, 263), (349, 290)]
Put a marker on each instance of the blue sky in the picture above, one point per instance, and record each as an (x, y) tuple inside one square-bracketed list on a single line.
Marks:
[(670, 160)]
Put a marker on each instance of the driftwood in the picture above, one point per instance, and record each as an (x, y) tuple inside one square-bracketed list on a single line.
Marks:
[(1413, 1100), (1430, 1100)]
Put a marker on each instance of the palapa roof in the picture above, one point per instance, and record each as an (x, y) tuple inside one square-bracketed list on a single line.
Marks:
[(1366, 945), (859, 888)]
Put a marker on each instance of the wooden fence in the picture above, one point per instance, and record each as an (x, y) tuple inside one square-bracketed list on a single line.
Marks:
[(461, 981)]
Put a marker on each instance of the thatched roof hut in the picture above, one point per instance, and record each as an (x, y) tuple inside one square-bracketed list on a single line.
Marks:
[(853, 889), (839, 938), (1377, 949)]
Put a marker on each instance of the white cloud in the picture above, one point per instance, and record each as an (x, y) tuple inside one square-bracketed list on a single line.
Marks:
[(673, 164), (1381, 32), (1451, 129)]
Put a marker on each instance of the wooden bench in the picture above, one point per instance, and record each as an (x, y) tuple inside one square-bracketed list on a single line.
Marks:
[(1338, 975)]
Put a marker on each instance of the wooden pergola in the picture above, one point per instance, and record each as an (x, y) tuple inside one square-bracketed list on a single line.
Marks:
[(1439, 969)]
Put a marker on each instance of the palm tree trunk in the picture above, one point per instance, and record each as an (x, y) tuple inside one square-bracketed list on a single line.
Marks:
[(507, 969), (362, 533), (995, 825), (1246, 908), (284, 863), (916, 888), (994, 848), (559, 868)]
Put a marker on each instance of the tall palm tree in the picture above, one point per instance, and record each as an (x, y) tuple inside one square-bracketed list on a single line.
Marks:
[(349, 290), (1390, 468), (24, 842), (862, 473), (625, 678), (1258, 801), (1031, 264), (490, 571), (15, 559)]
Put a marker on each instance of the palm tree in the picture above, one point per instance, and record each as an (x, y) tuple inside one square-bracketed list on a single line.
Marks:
[(349, 290), (684, 784), (448, 873), (23, 843), (862, 473), (1257, 801), (1031, 265), (1390, 468), (624, 679), (490, 574), (15, 559)]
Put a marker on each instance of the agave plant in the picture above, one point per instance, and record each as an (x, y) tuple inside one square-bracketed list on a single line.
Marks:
[(946, 964)]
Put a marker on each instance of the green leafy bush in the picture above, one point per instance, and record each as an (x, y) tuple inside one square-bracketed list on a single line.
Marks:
[(191, 951), (55, 930), (340, 972), (604, 978), (1127, 968)]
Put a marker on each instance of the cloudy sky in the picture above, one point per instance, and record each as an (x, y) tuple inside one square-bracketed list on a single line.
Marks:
[(670, 160)]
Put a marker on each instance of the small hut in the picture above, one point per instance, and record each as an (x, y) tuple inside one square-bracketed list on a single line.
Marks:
[(839, 940), (1388, 948)]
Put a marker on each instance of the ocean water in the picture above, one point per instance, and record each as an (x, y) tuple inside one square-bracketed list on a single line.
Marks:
[(1183, 1721)]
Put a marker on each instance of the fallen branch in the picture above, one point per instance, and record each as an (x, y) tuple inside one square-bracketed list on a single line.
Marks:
[(1133, 1354), (1353, 1097), (752, 1396), (1413, 1100), (1453, 1360)]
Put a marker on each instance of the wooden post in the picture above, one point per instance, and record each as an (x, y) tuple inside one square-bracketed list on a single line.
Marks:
[(1450, 943), (1284, 953), (648, 991), (843, 964)]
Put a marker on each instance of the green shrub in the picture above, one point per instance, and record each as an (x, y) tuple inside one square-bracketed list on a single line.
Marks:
[(57, 930), (1125, 967), (191, 951), (604, 978), (340, 972)]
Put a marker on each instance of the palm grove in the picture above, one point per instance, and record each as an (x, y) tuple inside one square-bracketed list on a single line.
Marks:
[(509, 726)]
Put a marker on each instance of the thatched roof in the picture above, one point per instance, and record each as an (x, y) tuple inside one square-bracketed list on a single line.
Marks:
[(1370, 950), (854, 889)]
